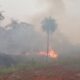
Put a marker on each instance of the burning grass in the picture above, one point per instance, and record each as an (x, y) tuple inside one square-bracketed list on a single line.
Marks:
[(51, 54)]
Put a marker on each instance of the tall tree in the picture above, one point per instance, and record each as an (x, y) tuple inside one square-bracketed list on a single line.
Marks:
[(49, 26)]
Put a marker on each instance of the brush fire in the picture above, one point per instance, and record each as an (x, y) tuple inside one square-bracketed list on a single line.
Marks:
[(51, 54)]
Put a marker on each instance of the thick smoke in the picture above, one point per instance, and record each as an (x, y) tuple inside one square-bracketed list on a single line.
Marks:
[(1, 16), (19, 37)]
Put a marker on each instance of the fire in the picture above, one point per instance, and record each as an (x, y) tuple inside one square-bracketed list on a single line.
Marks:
[(51, 53)]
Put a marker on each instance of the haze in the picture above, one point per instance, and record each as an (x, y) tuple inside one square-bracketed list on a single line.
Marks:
[(65, 12)]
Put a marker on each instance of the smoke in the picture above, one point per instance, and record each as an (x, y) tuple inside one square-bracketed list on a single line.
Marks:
[(18, 37), (1, 16), (22, 37)]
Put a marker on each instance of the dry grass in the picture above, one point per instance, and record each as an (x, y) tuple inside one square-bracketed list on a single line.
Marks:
[(54, 72)]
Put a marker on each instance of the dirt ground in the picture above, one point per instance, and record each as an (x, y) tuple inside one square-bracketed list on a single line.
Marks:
[(46, 73)]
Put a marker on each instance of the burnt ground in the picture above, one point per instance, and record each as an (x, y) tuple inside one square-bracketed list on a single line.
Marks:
[(55, 72)]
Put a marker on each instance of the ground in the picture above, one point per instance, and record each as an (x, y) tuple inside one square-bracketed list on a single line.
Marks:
[(53, 72)]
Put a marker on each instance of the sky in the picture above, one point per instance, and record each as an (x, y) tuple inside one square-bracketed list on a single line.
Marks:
[(66, 13)]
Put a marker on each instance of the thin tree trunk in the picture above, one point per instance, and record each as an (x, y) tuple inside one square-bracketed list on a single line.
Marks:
[(48, 45)]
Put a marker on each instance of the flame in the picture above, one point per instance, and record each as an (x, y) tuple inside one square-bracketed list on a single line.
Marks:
[(51, 54)]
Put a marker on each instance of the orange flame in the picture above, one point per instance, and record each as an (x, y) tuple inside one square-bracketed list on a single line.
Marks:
[(52, 54)]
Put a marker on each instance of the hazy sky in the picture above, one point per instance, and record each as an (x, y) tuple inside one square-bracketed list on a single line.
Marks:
[(66, 12)]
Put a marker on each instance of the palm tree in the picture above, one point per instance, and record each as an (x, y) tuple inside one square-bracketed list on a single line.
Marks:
[(49, 26)]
